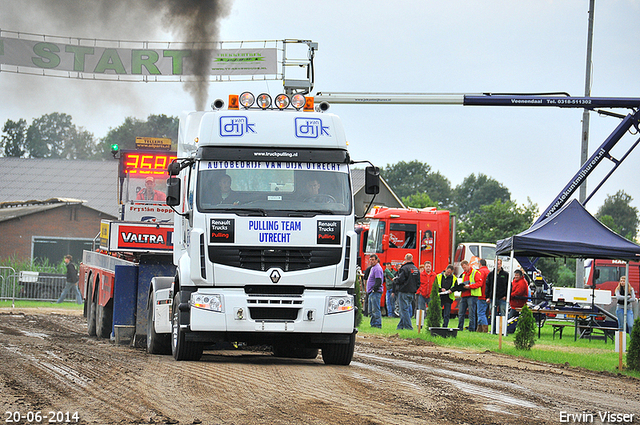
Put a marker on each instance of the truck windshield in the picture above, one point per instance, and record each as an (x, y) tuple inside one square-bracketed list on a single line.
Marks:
[(274, 186), (376, 232)]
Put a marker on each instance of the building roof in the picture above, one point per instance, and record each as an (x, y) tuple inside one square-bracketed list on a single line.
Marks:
[(32, 179), (358, 180), (11, 210)]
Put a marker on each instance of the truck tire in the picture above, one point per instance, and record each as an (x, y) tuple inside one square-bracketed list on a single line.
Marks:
[(339, 354), (156, 343), (104, 320), (292, 352), (91, 311), (180, 348)]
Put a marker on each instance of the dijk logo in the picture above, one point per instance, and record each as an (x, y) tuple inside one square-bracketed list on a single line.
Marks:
[(235, 126), (311, 128)]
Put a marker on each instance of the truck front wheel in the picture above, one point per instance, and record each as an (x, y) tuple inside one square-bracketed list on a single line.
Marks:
[(180, 348), (156, 343), (339, 354)]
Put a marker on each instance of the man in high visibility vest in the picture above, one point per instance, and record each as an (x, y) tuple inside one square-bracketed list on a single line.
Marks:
[(445, 281), (472, 281)]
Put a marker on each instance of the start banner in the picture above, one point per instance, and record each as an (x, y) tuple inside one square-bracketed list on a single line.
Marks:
[(148, 61)]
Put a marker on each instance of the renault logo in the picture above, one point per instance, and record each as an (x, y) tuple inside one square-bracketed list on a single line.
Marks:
[(275, 276)]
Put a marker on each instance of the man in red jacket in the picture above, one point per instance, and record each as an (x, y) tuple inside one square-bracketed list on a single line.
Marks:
[(483, 323), (519, 292), (426, 283)]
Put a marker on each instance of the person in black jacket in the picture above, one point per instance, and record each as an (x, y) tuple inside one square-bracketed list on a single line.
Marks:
[(405, 286), (502, 285), (72, 280)]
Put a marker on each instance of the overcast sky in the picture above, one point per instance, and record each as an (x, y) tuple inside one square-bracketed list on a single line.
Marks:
[(419, 46)]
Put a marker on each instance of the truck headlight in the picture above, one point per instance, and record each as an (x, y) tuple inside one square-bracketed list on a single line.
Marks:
[(211, 302), (340, 304)]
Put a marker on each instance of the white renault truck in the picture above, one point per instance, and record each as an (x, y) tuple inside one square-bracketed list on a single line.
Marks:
[(264, 242)]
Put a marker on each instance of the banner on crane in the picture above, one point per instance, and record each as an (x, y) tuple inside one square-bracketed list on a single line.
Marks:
[(133, 61)]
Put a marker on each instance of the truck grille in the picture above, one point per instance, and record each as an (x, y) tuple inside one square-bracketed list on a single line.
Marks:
[(273, 313), (290, 259)]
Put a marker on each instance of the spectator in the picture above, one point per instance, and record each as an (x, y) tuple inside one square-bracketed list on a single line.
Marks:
[(405, 286), (472, 280), (519, 293), (374, 289), (502, 284), (445, 281), (427, 276), (390, 301), (365, 278), (72, 281), (621, 294), (483, 324), (149, 193)]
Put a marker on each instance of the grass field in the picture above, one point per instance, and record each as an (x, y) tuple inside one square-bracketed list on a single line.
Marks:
[(41, 304), (593, 355)]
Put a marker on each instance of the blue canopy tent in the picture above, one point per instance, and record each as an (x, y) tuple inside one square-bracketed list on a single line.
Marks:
[(570, 232)]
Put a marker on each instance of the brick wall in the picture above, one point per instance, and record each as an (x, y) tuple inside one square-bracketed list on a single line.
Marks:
[(67, 221)]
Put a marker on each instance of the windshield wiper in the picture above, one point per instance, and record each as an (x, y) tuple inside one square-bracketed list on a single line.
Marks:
[(246, 211), (309, 213)]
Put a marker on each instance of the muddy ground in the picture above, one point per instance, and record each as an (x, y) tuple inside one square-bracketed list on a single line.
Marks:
[(48, 364)]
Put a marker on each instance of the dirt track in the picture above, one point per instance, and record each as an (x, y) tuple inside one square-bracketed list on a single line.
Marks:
[(48, 364)]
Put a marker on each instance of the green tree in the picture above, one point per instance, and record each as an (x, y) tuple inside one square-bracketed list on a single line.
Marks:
[(14, 139), (633, 352), (47, 135), (525, 335), (80, 145), (419, 200), (496, 221), (474, 192), (410, 178), (561, 272), (125, 135), (434, 313), (623, 217)]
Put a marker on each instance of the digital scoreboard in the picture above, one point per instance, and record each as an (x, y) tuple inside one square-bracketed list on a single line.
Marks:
[(144, 164)]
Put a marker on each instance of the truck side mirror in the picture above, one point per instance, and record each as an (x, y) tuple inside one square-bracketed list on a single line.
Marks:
[(372, 180), (596, 275), (173, 191)]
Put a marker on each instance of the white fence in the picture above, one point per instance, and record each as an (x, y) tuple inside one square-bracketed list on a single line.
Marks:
[(28, 285)]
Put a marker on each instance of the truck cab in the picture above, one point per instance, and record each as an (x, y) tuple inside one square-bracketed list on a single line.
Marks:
[(264, 240)]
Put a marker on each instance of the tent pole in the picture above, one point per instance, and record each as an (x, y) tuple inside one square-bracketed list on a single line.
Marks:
[(509, 293), (493, 297)]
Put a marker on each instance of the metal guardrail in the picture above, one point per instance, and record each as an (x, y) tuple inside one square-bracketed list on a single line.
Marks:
[(34, 286)]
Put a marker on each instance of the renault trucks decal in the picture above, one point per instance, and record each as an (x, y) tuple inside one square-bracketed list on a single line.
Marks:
[(329, 232), (223, 230), (236, 126), (311, 128)]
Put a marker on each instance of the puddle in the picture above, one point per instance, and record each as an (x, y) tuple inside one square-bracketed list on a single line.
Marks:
[(460, 380)]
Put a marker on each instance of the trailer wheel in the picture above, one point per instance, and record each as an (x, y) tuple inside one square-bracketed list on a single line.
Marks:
[(91, 311), (104, 320), (156, 343), (339, 354), (180, 348)]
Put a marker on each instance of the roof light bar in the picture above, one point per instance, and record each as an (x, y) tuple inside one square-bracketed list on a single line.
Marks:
[(298, 100), (264, 101), (282, 101), (247, 99)]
